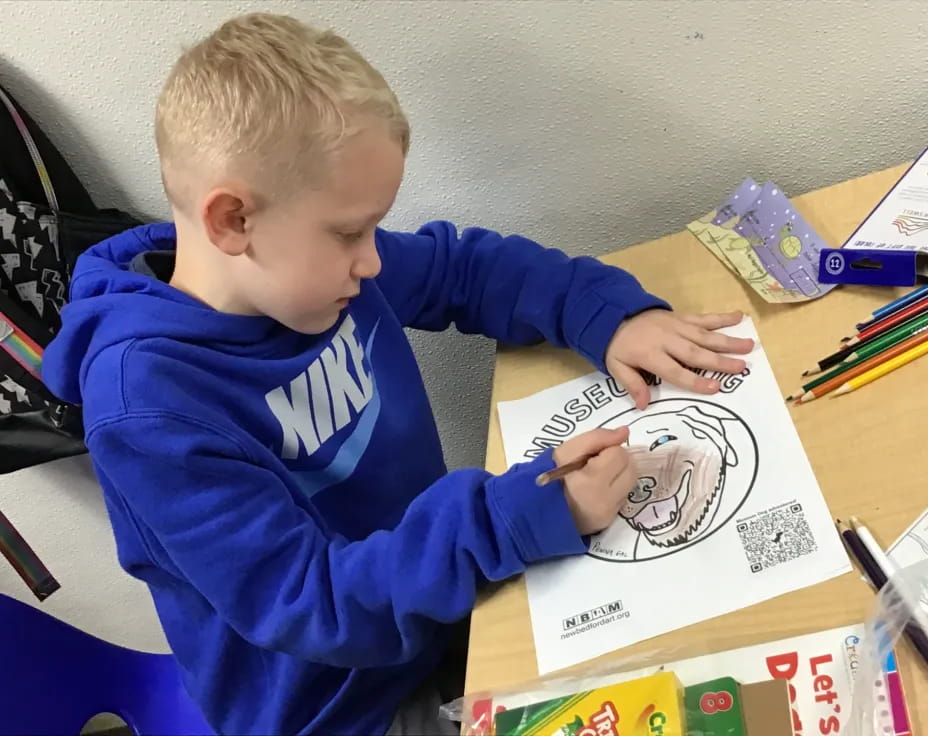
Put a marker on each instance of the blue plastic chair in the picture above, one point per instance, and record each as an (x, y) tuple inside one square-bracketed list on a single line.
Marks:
[(54, 678)]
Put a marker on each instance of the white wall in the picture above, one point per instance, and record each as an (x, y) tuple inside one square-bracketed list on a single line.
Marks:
[(588, 126), (59, 511)]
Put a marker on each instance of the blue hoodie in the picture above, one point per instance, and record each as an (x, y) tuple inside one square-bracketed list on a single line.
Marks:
[(284, 496)]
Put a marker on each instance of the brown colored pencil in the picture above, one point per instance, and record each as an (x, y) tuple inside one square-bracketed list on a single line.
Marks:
[(562, 470), (861, 368)]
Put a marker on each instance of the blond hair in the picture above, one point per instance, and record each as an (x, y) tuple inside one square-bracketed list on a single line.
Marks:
[(266, 98)]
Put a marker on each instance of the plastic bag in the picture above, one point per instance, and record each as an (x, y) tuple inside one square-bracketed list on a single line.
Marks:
[(901, 606), (853, 662)]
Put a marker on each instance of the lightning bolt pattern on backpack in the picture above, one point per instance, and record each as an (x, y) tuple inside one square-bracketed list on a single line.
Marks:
[(47, 219)]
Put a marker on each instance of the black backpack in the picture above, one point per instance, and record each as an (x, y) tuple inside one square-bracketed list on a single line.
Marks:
[(47, 219)]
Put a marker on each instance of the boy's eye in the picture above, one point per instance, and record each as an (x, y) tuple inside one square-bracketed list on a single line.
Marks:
[(662, 440), (351, 237)]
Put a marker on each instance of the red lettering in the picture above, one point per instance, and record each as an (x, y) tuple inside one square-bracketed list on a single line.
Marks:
[(783, 666), (829, 725), (605, 713), (829, 696), (602, 723), (816, 662), (797, 722), (822, 683)]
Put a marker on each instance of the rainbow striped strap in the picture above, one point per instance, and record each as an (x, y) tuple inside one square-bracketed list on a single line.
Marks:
[(25, 561), (33, 149), (24, 350), (20, 347)]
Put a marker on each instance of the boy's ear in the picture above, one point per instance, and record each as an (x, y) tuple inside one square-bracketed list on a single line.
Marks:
[(227, 217)]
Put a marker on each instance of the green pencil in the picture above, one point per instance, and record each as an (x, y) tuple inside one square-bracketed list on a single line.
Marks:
[(867, 350), (893, 337)]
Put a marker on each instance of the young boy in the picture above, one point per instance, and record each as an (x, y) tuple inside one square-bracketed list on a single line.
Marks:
[(256, 417)]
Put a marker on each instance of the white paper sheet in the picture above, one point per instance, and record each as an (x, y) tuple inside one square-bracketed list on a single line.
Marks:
[(759, 529), (900, 220), (912, 546)]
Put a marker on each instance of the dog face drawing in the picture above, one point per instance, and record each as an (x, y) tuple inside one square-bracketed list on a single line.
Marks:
[(681, 458)]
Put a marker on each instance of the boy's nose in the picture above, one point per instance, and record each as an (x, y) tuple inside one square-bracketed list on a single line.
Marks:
[(367, 264)]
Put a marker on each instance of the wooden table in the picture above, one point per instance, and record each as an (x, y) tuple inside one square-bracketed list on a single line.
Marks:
[(865, 447)]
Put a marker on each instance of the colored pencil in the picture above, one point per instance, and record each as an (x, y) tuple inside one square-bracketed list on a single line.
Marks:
[(879, 344), (863, 324), (846, 371), (878, 579), (882, 369), (873, 547), (901, 332), (549, 476), (864, 561), (855, 358), (905, 299), (562, 470), (887, 323), (917, 628)]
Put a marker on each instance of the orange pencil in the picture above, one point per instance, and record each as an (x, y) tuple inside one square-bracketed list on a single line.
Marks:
[(887, 366), (828, 386)]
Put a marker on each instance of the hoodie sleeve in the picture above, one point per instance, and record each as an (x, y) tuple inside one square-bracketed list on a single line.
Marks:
[(507, 288), (232, 529)]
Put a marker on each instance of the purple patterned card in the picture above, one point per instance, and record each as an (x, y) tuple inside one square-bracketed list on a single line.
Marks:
[(789, 239), (738, 202), (748, 227)]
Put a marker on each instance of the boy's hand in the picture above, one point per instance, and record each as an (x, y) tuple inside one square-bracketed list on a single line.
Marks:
[(596, 492), (664, 343)]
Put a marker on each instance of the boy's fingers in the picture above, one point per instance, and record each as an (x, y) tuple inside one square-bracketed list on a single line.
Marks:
[(718, 342), (689, 353), (671, 371), (632, 381), (591, 443), (713, 321), (608, 459)]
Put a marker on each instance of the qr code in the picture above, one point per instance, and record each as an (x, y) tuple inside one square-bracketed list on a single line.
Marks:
[(776, 536)]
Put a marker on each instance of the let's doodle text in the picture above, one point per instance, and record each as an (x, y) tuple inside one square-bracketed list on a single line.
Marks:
[(821, 669)]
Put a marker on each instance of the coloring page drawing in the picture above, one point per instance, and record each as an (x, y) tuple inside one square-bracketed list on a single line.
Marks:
[(723, 484), (696, 461)]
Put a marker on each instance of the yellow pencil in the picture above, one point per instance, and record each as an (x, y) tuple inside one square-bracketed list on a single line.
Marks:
[(881, 370)]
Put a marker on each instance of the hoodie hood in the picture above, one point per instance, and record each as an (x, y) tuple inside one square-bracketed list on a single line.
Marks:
[(112, 301)]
